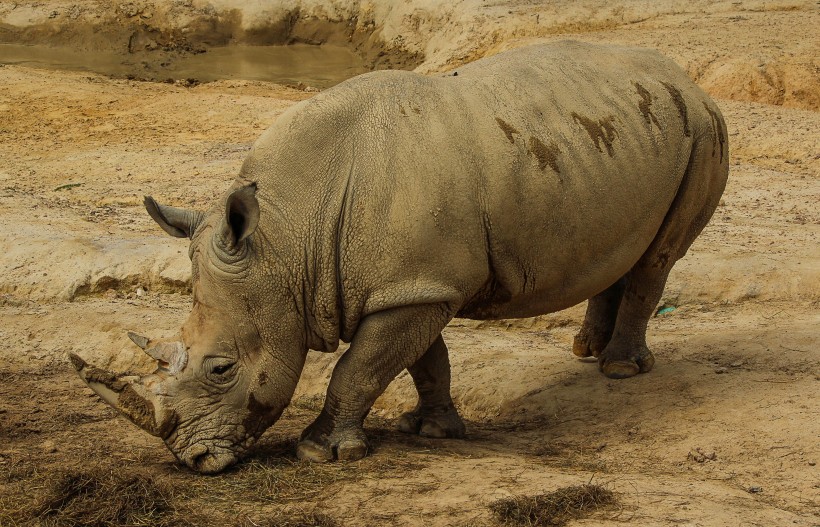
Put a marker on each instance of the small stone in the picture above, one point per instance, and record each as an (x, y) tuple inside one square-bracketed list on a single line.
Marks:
[(699, 456), (49, 447), (754, 490), (721, 370), (737, 364), (140, 292), (812, 463)]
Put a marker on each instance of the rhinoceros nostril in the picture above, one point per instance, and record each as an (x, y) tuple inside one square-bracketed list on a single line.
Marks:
[(196, 455)]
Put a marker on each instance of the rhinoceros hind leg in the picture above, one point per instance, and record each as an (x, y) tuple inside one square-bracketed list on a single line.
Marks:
[(599, 322), (435, 414), (626, 354)]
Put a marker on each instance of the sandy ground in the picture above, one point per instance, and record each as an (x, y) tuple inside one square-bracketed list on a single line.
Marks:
[(723, 431)]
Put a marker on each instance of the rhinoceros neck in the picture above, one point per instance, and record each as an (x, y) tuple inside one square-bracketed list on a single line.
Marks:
[(304, 212)]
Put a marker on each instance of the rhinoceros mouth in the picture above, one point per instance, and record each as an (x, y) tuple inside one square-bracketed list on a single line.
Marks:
[(208, 460)]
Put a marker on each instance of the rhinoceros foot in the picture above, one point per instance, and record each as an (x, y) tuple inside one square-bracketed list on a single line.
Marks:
[(347, 444), (620, 362), (589, 343), (434, 423)]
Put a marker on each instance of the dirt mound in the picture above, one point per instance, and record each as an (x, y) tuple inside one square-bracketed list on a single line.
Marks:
[(790, 82)]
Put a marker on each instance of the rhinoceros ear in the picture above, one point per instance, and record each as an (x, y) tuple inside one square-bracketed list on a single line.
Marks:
[(241, 215), (180, 223)]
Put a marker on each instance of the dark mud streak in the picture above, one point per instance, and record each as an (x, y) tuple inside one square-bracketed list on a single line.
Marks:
[(645, 106), (105, 378), (601, 131), (138, 409), (680, 104), (507, 128), (717, 125), (259, 417), (547, 155)]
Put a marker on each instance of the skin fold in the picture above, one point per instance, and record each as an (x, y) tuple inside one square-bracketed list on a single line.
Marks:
[(380, 209)]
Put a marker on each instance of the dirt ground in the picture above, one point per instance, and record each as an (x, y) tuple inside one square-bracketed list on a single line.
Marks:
[(723, 432)]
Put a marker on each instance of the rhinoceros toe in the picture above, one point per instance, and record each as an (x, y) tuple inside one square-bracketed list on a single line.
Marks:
[(442, 425), (617, 363), (588, 344), (344, 445)]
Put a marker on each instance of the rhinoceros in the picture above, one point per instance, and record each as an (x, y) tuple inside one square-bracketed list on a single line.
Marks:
[(380, 209)]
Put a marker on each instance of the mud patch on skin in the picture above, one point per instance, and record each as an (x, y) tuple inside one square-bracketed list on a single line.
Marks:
[(106, 378), (546, 154), (508, 129), (600, 131), (680, 104), (142, 413), (717, 125), (645, 106), (259, 417)]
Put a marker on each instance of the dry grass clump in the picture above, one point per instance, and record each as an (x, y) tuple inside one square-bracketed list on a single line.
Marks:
[(265, 490), (272, 475), (553, 509), (293, 519), (274, 482), (103, 497)]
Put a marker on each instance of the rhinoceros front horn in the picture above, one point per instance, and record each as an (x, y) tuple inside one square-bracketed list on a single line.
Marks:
[(129, 397)]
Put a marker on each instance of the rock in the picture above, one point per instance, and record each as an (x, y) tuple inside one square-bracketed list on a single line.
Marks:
[(699, 456)]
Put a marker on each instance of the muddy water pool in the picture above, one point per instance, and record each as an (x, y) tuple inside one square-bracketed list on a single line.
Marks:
[(319, 66)]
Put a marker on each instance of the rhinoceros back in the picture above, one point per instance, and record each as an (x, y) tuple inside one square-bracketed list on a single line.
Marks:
[(516, 185)]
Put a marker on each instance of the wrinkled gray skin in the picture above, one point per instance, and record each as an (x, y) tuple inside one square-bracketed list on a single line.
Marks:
[(378, 210)]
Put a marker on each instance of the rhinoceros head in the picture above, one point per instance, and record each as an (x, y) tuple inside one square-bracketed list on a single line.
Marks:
[(235, 367)]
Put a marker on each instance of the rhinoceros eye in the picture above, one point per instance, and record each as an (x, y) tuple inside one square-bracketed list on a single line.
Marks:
[(219, 370)]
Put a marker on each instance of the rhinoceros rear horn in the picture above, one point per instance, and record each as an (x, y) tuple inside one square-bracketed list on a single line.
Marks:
[(170, 355), (181, 223), (241, 215), (129, 397)]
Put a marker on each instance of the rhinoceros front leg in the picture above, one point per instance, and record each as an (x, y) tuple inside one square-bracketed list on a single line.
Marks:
[(435, 414), (384, 344)]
